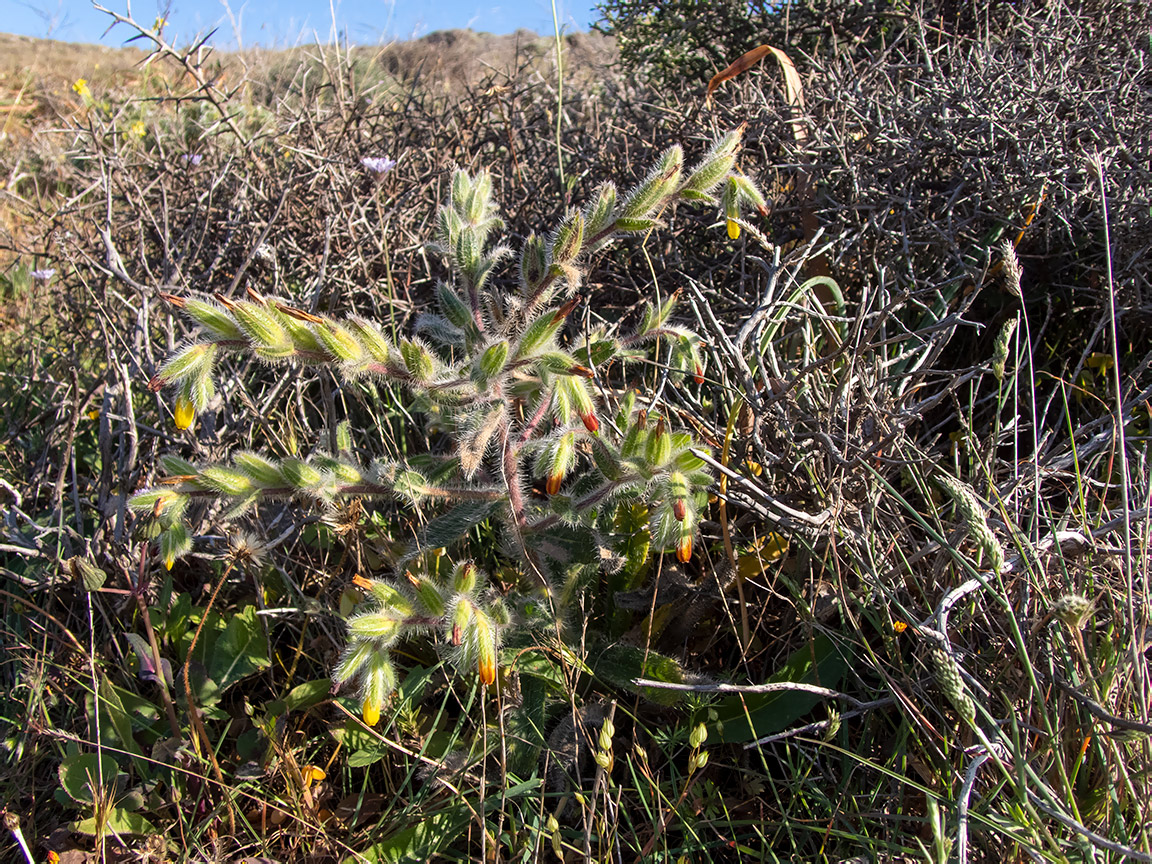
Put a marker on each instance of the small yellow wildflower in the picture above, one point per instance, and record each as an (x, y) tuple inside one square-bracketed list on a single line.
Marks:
[(733, 229), (1101, 362), (370, 711), (899, 626), (81, 88), (185, 412), (139, 129)]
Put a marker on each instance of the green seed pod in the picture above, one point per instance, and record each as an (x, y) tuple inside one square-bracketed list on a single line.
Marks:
[(449, 225), (379, 682), (659, 447), (651, 193), (460, 621), (490, 364), (153, 500), (464, 577), (371, 338), (383, 627), (174, 466), (187, 362), (627, 223), (461, 189), (708, 175), (304, 339), (418, 360), (428, 593), (346, 472), (353, 661), (266, 333), (479, 198), (201, 388), (698, 735), (453, 307), (568, 238), (604, 739), (689, 462), (533, 262), (226, 481), (600, 210), (390, 598), (538, 335), (339, 342), (300, 474), (263, 472), (217, 323), (343, 437)]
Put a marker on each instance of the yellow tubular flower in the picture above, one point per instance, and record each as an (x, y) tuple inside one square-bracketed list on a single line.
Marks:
[(733, 229), (370, 711), (185, 412)]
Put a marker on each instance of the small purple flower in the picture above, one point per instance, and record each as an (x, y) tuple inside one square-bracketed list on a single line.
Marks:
[(378, 164), (43, 275), (192, 158)]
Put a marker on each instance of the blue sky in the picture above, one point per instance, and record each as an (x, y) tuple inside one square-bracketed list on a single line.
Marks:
[(279, 23)]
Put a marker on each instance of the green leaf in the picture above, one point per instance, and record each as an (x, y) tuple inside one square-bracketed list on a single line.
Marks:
[(80, 772), (115, 713), (241, 650), (308, 694), (751, 716), (449, 527), (619, 664), (116, 821)]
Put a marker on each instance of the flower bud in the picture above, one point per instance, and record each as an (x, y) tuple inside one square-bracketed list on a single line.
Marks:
[(464, 578), (569, 237)]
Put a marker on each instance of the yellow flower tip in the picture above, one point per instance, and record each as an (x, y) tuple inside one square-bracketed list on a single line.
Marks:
[(370, 711), (684, 549), (168, 562), (488, 671), (733, 229), (185, 413)]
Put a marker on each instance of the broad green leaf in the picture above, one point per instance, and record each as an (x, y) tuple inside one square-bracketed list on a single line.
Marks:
[(620, 664), (308, 694), (746, 718), (117, 821), (240, 650), (80, 773)]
